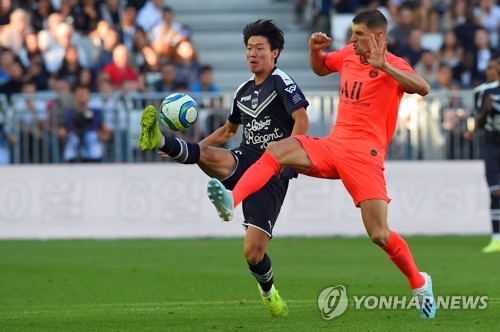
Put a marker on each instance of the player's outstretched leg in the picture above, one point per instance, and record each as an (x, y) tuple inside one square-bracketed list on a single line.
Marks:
[(221, 198), (273, 301), (150, 130), (426, 300)]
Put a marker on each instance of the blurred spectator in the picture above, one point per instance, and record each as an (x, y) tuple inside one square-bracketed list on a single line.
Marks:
[(6, 140), (92, 16), (120, 69), (30, 46), (299, 6), (76, 14), (465, 32), (86, 78), (451, 52), (150, 15), (137, 4), (397, 37), (342, 6), (427, 67), (36, 72), (70, 67), (54, 55), (105, 52), (33, 121), (5, 10), (321, 19), (413, 50), (444, 80), (128, 27), (84, 130), (139, 42), (167, 35), (40, 13), (12, 35), (150, 69), (167, 82), (465, 72), (14, 85), (425, 16), (205, 82), (483, 52), (186, 63), (47, 36), (455, 15), (487, 14), (111, 11)]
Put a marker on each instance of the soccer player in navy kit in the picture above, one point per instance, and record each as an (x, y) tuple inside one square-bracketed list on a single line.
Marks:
[(487, 105), (270, 106)]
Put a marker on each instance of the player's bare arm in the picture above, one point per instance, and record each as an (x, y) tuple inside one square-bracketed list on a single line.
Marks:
[(413, 83), (220, 135), (317, 43), (481, 117), (301, 124)]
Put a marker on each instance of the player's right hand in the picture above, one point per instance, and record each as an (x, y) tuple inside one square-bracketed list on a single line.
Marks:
[(319, 41)]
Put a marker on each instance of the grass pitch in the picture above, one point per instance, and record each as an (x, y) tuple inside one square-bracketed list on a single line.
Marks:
[(204, 285)]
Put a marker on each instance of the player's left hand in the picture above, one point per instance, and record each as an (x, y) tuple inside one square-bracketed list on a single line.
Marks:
[(378, 48)]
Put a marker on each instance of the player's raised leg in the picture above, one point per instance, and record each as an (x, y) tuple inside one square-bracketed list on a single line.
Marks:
[(151, 137), (374, 213)]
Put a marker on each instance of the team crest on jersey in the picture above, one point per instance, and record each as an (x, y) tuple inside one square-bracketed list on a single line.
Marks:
[(255, 103), (373, 73)]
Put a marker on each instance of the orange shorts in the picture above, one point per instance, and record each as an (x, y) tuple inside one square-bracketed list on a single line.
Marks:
[(359, 165)]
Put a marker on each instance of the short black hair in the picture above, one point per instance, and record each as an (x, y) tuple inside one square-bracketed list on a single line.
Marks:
[(268, 29), (372, 18)]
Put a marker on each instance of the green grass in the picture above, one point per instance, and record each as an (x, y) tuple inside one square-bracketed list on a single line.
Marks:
[(204, 285)]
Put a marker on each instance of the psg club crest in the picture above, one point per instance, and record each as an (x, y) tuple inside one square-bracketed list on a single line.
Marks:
[(373, 73)]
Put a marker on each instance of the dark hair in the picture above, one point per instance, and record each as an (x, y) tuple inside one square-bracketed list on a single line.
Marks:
[(372, 18), (268, 29)]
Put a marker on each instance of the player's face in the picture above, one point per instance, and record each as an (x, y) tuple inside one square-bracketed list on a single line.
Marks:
[(260, 57), (359, 38)]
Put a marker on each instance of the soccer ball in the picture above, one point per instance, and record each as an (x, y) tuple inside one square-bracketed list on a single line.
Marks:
[(178, 111)]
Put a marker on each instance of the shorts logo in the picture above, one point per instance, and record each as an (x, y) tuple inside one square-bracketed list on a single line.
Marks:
[(373, 73)]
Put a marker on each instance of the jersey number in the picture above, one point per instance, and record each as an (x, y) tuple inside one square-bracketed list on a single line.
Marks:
[(353, 92)]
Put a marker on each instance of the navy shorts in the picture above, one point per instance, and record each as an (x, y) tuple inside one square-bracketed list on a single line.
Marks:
[(491, 156), (261, 209)]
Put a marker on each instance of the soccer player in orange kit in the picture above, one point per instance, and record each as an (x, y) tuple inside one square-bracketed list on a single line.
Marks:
[(373, 82)]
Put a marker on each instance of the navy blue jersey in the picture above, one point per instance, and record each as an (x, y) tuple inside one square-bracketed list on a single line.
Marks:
[(492, 125), (264, 110)]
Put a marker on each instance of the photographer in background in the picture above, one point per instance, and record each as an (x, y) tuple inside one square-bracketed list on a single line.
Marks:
[(83, 130)]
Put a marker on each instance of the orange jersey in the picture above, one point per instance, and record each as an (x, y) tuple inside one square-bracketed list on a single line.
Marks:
[(369, 98)]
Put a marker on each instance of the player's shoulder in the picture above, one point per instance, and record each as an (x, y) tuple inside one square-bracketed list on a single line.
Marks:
[(243, 86), (281, 76)]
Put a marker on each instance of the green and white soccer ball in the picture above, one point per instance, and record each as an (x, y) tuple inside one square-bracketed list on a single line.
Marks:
[(178, 111)]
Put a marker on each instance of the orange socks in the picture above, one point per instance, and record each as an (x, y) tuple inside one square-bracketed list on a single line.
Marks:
[(255, 177), (398, 251)]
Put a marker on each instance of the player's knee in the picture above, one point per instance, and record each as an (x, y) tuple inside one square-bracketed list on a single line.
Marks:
[(253, 254), (380, 237), (273, 149)]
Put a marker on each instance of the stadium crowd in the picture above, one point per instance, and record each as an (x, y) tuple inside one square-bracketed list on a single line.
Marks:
[(123, 46)]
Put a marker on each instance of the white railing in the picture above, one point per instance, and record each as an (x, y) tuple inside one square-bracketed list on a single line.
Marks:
[(429, 128)]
